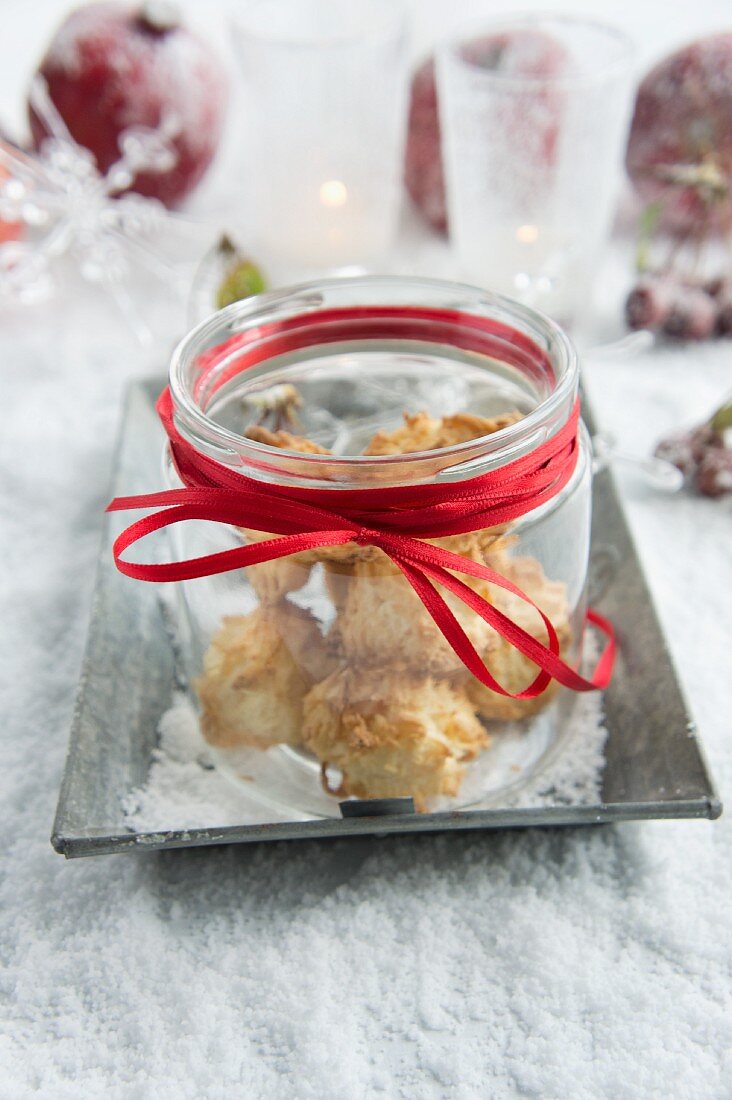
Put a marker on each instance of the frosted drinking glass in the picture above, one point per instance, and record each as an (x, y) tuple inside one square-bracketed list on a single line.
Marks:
[(322, 119), (534, 115)]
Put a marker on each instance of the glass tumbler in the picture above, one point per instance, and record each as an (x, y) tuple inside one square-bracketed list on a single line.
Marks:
[(534, 113), (322, 117), (320, 676)]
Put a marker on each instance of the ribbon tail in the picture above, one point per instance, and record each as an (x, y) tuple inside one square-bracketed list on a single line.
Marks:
[(420, 572), (546, 657), (603, 671)]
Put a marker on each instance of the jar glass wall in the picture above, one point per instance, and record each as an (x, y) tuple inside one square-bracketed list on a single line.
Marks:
[(321, 676)]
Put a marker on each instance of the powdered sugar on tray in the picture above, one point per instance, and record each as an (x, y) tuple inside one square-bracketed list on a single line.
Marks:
[(574, 775), (184, 790)]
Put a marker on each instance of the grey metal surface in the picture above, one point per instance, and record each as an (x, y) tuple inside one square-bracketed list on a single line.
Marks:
[(654, 765)]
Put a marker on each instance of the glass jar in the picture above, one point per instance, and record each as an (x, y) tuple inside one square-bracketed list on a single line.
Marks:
[(321, 676)]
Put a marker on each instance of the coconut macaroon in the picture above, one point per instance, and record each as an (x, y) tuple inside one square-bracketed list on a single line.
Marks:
[(285, 441), (256, 672), (550, 596), (272, 580), (390, 734), (382, 620), (510, 667), (422, 432), (514, 672)]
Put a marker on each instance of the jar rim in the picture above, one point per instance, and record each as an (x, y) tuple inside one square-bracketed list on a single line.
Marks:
[(298, 299)]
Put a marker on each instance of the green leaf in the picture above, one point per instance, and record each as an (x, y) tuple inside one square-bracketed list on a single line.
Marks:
[(647, 225), (722, 418), (242, 281)]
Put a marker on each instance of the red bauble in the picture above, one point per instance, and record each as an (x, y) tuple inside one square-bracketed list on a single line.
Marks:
[(529, 54), (682, 120), (110, 67)]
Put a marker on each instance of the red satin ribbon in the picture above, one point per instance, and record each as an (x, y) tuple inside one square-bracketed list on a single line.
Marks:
[(394, 519)]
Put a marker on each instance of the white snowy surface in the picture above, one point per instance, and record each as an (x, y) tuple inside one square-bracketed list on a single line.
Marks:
[(570, 964)]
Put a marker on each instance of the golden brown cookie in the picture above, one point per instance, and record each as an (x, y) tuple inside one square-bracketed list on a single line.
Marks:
[(528, 575), (472, 544), (515, 672), (475, 545), (390, 734), (272, 580), (285, 441), (337, 576), (256, 673), (422, 432), (382, 620)]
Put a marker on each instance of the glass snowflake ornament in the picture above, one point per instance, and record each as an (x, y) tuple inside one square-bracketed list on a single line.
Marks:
[(57, 204)]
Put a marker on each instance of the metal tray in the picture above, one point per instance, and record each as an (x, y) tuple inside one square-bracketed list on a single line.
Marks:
[(654, 766)]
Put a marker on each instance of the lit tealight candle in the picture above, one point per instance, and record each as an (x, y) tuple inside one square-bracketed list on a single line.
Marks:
[(333, 193), (527, 234)]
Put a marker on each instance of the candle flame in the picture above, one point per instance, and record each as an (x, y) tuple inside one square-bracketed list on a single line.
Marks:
[(527, 234), (333, 193)]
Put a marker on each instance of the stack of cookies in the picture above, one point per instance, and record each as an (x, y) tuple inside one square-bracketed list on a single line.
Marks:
[(380, 698)]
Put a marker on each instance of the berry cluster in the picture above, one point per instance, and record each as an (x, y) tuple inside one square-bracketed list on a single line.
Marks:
[(702, 454), (679, 159), (681, 309)]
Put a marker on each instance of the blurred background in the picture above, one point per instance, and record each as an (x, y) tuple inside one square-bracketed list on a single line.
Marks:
[(253, 149)]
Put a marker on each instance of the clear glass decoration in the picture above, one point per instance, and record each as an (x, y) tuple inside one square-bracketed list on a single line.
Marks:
[(322, 126), (56, 204), (534, 114)]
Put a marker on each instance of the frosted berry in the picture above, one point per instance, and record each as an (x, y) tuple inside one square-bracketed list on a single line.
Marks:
[(719, 287), (678, 450), (714, 474), (692, 316), (687, 450), (724, 313), (110, 67), (648, 304)]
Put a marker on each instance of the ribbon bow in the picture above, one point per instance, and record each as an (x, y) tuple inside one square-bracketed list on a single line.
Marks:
[(394, 519)]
